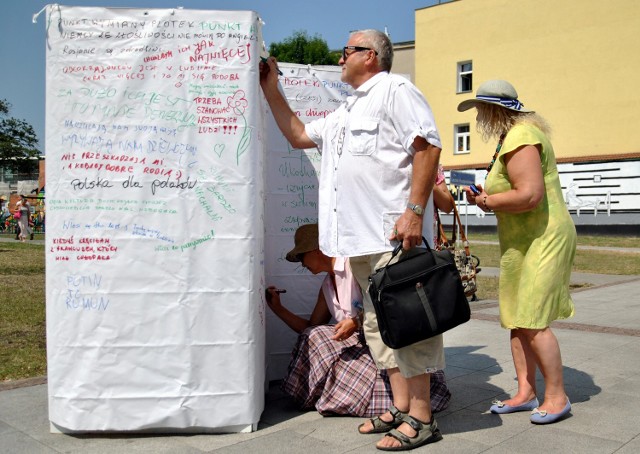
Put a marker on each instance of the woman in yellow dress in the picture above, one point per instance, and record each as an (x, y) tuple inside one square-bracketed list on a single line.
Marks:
[(537, 242)]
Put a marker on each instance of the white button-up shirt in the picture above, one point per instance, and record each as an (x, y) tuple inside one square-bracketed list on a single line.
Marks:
[(366, 167)]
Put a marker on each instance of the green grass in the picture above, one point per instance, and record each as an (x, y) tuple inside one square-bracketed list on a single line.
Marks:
[(488, 287), (22, 311), (22, 285), (583, 240), (586, 261)]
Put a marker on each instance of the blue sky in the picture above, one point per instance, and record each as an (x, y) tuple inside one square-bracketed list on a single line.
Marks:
[(22, 47)]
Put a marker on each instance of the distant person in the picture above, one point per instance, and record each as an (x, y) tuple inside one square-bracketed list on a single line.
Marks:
[(331, 367), (380, 150), (24, 207), (4, 214), (537, 242)]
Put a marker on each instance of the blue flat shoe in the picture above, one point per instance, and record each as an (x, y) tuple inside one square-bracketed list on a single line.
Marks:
[(542, 417), (500, 408)]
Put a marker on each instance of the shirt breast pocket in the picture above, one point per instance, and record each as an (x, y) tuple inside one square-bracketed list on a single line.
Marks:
[(363, 136)]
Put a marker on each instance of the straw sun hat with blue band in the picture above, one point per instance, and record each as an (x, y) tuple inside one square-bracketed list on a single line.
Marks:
[(498, 92)]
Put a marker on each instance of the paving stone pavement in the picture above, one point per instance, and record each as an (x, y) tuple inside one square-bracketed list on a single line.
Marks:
[(600, 348)]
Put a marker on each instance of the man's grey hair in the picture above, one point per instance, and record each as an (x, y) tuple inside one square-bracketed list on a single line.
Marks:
[(381, 43)]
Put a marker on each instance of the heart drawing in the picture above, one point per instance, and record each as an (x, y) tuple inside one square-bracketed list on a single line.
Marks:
[(218, 149)]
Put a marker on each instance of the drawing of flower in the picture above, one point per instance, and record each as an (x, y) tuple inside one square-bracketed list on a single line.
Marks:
[(239, 103)]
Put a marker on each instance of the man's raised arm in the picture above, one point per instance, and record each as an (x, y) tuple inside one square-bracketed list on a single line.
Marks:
[(288, 122)]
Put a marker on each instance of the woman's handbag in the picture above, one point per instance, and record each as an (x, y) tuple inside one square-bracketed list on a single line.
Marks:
[(418, 297), (17, 215), (467, 264)]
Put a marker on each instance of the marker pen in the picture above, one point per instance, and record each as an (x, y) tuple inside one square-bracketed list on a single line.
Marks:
[(264, 60)]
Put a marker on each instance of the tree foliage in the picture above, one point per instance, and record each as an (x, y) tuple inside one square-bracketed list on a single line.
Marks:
[(18, 142), (303, 49)]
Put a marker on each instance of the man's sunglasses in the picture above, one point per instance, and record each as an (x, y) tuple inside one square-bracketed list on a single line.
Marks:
[(354, 49)]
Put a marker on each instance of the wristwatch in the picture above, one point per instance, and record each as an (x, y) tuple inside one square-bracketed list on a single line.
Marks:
[(417, 209)]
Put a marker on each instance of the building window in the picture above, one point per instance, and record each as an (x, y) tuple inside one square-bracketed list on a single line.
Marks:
[(465, 77), (462, 139)]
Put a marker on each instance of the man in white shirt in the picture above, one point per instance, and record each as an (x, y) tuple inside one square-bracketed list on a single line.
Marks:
[(380, 152)]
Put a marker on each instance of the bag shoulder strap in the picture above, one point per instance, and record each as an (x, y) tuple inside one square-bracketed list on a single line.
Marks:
[(454, 229), (442, 237)]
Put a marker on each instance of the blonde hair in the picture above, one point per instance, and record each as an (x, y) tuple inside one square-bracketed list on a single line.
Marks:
[(494, 120)]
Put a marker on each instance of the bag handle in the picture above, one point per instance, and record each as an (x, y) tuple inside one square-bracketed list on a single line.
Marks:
[(442, 237), (398, 248), (455, 229)]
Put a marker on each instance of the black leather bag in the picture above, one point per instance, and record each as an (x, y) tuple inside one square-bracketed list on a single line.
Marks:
[(418, 297)]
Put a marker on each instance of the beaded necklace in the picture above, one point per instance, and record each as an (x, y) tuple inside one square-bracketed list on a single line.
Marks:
[(495, 155)]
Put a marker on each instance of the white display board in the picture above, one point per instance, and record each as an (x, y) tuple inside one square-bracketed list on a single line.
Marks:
[(155, 236), (292, 200)]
